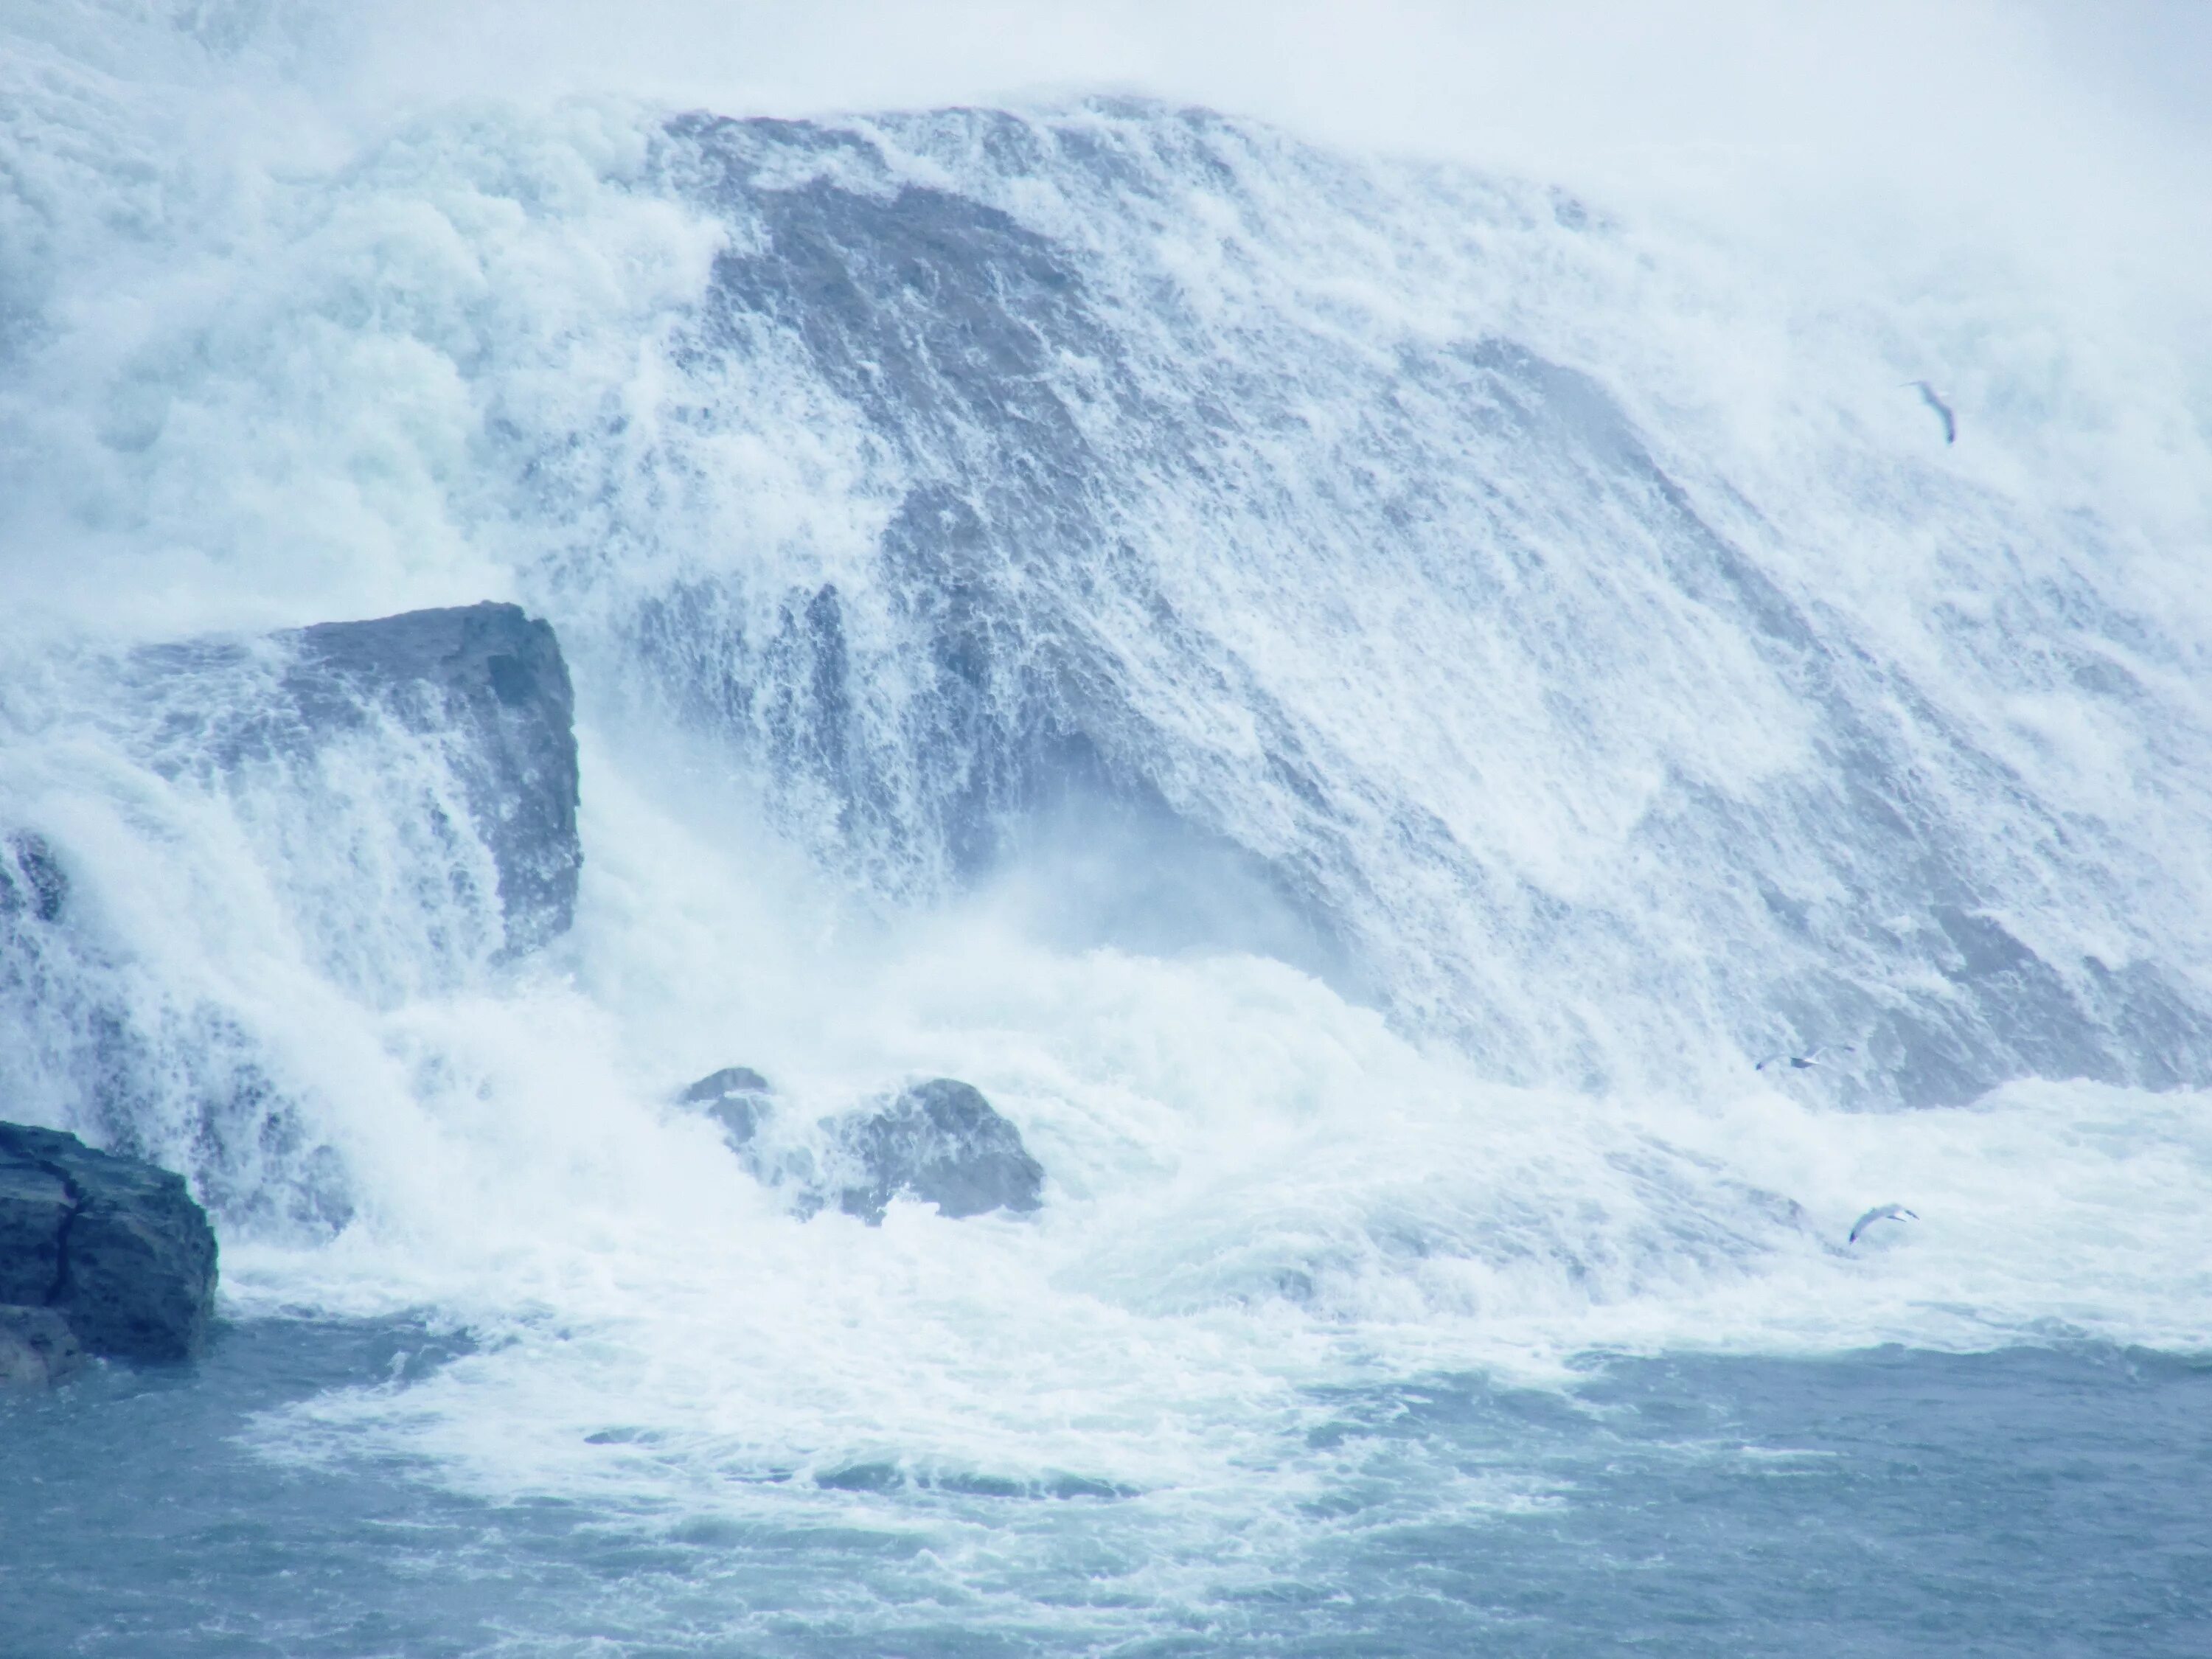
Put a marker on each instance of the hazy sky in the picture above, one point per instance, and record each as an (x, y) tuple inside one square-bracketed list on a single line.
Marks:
[(1587, 74), (2068, 113)]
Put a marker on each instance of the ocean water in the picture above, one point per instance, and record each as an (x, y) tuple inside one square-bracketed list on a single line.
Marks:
[(1357, 698), (2025, 1501)]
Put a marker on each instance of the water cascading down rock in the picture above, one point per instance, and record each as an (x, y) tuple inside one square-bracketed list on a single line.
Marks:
[(408, 786), (491, 683), (1500, 703)]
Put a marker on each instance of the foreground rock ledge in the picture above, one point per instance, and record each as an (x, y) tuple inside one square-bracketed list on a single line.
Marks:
[(98, 1252)]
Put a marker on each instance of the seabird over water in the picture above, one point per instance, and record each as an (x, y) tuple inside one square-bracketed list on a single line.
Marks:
[(1879, 1213), (1942, 409)]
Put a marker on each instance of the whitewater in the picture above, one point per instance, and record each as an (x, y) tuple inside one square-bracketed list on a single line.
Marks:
[(1356, 699)]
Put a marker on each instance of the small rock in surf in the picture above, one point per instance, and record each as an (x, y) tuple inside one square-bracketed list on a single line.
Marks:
[(939, 1141)]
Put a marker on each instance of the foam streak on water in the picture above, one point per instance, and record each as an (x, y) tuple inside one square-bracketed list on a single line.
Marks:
[(1353, 699)]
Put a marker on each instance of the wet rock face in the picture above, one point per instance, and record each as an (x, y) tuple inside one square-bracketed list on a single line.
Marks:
[(34, 894), (32, 884), (738, 1098), (37, 1347), (482, 688), (112, 1247), (1040, 394), (940, 1141), (409, 785), (495, 680), (35, 1209)]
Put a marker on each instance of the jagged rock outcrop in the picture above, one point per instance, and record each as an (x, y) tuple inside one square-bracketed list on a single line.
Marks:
[(492, 679), (481, 692), (939, 1141), (409, 785), (112, 1247)]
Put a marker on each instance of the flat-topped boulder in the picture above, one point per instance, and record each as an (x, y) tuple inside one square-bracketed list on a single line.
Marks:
[(939, 1141), (408, 786), (478, 693), (113, 1247), (493, 681)]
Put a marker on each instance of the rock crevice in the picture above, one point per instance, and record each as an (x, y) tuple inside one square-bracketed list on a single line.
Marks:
[(59, 1291)]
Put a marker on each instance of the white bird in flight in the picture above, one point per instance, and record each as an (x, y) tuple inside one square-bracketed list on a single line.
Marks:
[(1942, 409)]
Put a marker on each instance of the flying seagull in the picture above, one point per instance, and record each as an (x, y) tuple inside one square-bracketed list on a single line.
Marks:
[(1879, 1213), (1806, 1061), (1942, 409)]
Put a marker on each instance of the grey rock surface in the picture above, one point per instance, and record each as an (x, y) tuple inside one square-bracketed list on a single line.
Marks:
[(942, 1142), (998, 301), (37, 1347), (425, 764), (738, 1098), (35, 1207), (485, 687), (494, 679), (939, 1141), (113, 1246)]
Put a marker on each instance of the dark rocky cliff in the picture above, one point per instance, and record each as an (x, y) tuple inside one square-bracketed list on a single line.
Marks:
[(111, 1246)]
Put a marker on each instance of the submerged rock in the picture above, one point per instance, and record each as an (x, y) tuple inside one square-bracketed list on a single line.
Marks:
[(738, 1098), (37, 1347), (112, 1246), (940, 1141)]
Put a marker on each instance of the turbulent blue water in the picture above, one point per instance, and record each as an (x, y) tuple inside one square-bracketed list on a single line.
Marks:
[(2031, 1502), (1356, 700)]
